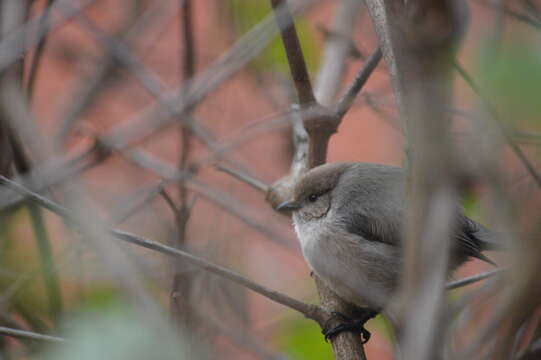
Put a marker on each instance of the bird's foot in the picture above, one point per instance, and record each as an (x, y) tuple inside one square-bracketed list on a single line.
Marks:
[(348, 324)]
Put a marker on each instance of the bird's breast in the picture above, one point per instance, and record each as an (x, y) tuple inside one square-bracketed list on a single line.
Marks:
[(323, 248), (358, 270), (310, 233)]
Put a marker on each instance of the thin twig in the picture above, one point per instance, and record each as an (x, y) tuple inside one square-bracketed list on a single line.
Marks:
[(245, 178), (29, 335), (339, 47), (221, 199), (38, 53), (472, 279), (135, 202), (310, 311), (495, 116), (169, 201), (513, 14), (362, 77)]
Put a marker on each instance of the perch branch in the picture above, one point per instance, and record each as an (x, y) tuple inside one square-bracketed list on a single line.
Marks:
[(315, 127)]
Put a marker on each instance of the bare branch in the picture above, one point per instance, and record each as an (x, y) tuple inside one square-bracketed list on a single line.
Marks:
[(362, 77), (338, 49), (65, 167), (512, 13), (38, 53), (245, 178), (472, 279), (507, 135), (16, 333), (170, 202), (417, 55), (310, 311), (221, 199), (135, 202)]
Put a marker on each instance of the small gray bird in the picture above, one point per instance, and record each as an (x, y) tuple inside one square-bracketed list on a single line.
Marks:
[(349, 218)]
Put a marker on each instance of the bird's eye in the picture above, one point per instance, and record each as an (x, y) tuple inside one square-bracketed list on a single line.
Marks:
[(312, 198)]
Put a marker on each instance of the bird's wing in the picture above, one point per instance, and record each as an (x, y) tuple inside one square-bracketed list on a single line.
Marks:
[(472, 238), (369, 228)]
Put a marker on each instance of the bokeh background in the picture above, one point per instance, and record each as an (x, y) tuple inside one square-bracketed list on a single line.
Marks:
[(125, 195)]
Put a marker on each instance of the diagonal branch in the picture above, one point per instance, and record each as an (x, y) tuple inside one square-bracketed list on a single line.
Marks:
[(339, 48), (513, 14), (507, 135), (245, 178), (417, 40), (347, 99), (24, 334), (472, 279), (310, 311), (295, 57)]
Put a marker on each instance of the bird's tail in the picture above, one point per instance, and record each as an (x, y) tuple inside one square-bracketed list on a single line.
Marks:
[(487, 239)]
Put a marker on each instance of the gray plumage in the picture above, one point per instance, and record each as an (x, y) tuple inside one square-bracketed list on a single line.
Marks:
[(349, 218)]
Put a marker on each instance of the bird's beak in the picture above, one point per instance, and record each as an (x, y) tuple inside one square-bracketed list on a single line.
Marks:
[(289, 206)]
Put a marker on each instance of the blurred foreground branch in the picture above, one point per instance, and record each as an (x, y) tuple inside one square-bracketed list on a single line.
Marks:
[(417, 41)]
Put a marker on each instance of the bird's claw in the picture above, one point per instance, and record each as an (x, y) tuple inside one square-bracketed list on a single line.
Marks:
[(348, 324)]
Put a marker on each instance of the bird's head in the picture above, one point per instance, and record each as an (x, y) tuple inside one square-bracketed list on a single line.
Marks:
[(312, 195)]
